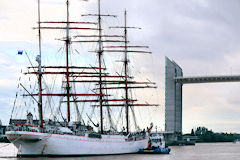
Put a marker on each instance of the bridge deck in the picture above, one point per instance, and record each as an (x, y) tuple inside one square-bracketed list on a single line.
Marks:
[(207, 79)]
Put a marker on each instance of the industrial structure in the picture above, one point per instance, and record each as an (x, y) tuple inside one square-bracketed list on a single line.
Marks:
[(174, 81)]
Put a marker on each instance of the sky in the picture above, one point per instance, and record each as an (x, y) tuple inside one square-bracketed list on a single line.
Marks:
[(202, 36)]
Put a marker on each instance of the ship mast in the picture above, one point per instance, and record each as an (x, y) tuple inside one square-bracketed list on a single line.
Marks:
[(127, 84), (67, 64), (126, 70), (39, 70), (100, 52)]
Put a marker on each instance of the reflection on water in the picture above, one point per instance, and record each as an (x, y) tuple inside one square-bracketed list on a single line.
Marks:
[(205, 151)]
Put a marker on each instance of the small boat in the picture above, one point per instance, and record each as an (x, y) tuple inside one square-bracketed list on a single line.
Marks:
[(156, 145)]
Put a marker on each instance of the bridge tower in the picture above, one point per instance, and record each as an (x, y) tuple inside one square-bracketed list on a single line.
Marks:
[(173, 97)]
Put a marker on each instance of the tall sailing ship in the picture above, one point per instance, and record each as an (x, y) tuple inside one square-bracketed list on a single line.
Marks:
[(45, 136)]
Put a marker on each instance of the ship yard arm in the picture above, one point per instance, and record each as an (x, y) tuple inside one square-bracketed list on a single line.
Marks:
[(39, 60)]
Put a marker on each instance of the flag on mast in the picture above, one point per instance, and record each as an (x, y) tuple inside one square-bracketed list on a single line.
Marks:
[(20, 52)]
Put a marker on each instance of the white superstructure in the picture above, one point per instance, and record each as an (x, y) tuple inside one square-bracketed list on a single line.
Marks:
[(157, 140)]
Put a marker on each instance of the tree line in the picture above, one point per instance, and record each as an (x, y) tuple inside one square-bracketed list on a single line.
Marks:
[(205, 135)]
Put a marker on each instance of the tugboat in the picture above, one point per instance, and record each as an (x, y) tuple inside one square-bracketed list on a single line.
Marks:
[(156, 145)]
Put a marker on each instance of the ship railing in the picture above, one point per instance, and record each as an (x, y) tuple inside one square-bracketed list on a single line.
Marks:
[(95, 135), (17, 127)]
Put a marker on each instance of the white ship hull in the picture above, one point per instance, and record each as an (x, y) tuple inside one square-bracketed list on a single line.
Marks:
[(45, 144)]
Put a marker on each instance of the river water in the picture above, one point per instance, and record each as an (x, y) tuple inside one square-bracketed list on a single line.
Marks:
[(204, 151)]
